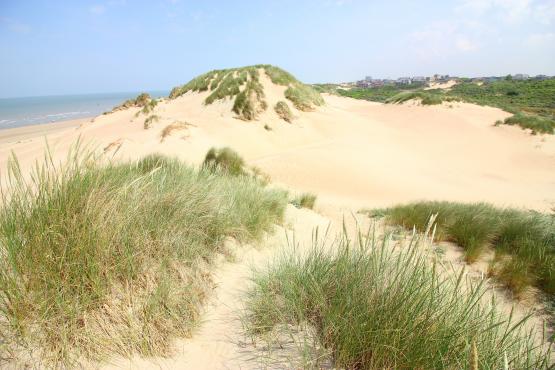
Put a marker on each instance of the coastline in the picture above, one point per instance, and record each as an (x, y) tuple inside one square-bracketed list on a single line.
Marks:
[(13, 135)]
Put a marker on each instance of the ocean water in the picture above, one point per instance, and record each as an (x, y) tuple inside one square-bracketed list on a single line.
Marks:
[(17, 112)]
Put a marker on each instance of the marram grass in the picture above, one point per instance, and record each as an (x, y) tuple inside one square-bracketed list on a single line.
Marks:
[(372, 306), (99, 260), (523, 241)]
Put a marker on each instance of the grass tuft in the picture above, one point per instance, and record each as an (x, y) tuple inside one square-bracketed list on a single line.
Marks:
[(176, 126), (150, 120), (305, 200), (304, 97), (112, 259), (526, 238), (375, 307), (283, 111), (226, 160)]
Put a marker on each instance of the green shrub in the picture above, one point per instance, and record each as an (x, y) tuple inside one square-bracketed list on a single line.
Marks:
[(305, 200), (371, 306), (115, 259), (527, 237)]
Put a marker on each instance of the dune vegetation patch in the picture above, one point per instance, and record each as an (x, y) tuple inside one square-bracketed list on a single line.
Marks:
[(425, 98), (243, 86), (523, 241), (535, 123), (372, 306), (305, 200), (283, 111), (176, 126), (142, 100), (150, 120), (100, 260)]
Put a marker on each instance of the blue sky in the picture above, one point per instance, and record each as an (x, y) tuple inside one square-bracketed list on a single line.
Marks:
[(64, 47)]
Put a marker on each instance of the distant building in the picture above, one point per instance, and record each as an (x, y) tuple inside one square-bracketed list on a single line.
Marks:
[(363, 84), (421, 79), (404, 81), (541, 77), (521, 76), (368, 79)]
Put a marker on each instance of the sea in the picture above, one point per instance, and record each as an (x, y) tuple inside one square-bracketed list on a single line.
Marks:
[(18, 112)]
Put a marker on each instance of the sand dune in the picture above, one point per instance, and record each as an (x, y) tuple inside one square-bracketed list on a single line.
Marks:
[(350, 152)]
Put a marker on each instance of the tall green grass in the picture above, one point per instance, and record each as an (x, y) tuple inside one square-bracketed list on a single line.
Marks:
[(524, 241), (425, 98), (111, 259), (375, 307)]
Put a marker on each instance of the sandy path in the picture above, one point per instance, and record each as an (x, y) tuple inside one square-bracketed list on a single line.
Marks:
[(220, 342)]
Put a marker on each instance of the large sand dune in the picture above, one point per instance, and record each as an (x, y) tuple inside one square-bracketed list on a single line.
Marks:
[(350, 152)]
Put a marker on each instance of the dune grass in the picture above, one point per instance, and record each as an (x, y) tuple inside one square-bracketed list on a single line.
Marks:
[(535, 123), (141, 100), (524, 242), (375, 307), (283, 111), (176, 126), (150, 120), (99, 260), (244, 87), (304, 97), (305, 200), (226, 160), (424, 97)]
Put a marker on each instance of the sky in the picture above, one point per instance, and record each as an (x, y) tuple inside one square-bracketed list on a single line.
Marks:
[(73, 47)]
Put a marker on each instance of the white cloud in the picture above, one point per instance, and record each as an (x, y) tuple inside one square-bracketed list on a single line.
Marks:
[(97, 9)]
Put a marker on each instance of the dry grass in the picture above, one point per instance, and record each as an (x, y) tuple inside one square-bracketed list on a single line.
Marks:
[(176, 126)]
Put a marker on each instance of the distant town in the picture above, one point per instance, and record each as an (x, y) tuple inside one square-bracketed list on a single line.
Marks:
[(370, 82)]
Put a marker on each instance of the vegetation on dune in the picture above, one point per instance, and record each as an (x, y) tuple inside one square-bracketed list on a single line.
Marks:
[(176, 126), (150, 120), (524, 242), (535, 123), (148, 107), (532, 102), (305, 200), (304, 97), (250, 101), (226, 160), (283, 111), (424, 97), (370, 306), (243, 85), (141, 100), (377, 94), (115, 259)]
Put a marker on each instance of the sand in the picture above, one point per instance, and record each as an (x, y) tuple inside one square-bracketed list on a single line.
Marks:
[(350, 152), (353, 154)]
